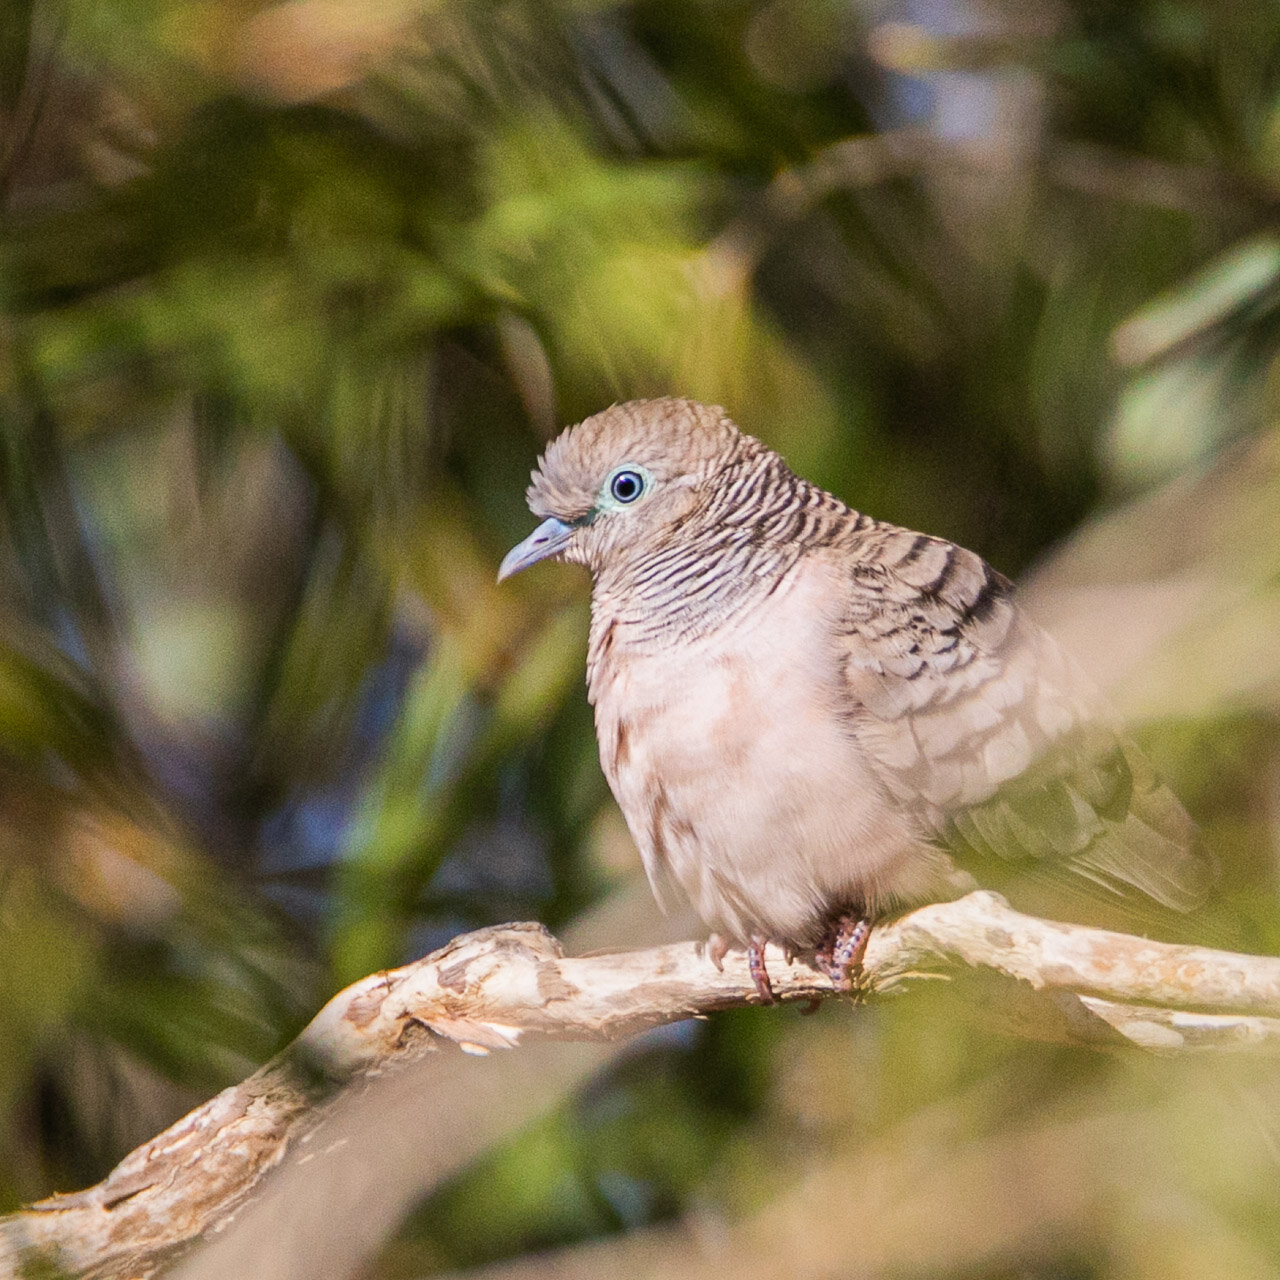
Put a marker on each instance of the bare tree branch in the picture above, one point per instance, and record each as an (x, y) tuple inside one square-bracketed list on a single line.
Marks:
[(491, 989)]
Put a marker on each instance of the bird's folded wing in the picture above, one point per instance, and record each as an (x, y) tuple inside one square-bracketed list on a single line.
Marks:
[(976, 718)]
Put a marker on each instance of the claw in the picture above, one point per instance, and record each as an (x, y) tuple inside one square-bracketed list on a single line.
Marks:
[(717, 949)]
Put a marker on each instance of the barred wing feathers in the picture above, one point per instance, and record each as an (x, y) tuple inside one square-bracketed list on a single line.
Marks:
[(968, 710)]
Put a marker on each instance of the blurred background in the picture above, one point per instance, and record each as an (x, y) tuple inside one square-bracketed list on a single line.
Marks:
[(292, 294)]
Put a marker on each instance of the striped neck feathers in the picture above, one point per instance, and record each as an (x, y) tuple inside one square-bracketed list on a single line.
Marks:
[(732, 550)]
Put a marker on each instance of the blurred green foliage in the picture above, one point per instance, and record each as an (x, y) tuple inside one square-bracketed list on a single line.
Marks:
[(290, 297)]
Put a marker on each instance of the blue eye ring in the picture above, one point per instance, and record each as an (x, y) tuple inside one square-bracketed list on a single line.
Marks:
[(626, 485)]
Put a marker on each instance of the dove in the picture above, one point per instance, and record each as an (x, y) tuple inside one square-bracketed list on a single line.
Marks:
[(811, 718)]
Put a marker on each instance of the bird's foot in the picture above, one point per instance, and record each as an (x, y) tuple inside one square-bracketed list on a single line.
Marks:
[(717, 949), (760, 974), (841, 955)]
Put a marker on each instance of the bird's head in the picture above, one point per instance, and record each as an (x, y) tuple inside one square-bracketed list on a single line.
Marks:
[(624, 481)]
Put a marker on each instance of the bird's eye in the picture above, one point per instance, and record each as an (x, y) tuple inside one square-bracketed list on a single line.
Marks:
[(626, 486)]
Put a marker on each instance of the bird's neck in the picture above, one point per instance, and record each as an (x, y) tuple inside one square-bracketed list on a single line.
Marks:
[(729, 556)]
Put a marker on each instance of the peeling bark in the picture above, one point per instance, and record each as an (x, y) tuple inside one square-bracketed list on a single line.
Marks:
[(488, 990)]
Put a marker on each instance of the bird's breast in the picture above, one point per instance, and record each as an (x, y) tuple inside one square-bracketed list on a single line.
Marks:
[(736, 765)]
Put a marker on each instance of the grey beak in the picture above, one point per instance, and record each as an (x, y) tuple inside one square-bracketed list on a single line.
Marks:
[(546, 540)]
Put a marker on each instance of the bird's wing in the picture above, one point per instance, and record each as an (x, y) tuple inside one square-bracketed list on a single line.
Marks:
[(976, 718)]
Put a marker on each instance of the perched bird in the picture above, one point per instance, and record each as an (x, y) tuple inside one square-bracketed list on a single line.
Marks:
[(810, 717)]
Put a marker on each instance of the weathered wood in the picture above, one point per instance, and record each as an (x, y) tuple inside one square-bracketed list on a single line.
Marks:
[(490, 989)]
